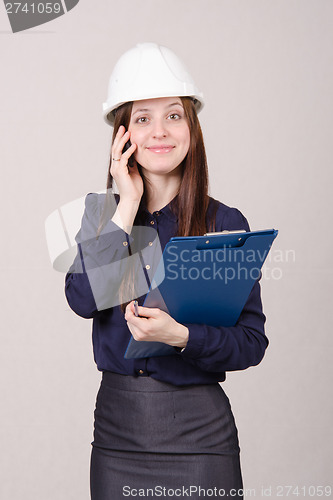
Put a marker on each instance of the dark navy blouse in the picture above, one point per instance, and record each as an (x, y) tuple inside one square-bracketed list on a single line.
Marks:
[(92, 291)]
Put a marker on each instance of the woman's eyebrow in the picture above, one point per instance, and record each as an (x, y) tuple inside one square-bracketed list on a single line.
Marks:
[(142, 110), (146, 110), (175, 104)]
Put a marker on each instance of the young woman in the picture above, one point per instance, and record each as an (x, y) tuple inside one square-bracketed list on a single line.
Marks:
[(163, 425)]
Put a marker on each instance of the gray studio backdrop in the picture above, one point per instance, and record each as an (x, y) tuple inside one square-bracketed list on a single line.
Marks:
[(265, 67)]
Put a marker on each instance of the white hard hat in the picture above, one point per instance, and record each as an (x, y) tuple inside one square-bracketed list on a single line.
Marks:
[(148, 71)]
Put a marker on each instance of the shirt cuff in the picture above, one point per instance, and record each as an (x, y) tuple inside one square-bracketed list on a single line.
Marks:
[(196, 341)]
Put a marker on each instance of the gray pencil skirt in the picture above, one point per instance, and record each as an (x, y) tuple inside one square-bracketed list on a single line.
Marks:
[(156, 440)]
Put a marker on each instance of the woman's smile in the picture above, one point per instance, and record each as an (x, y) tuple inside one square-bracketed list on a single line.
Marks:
[(160, 149)]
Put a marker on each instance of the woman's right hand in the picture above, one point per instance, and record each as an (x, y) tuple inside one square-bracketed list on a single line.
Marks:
[(128, 179)]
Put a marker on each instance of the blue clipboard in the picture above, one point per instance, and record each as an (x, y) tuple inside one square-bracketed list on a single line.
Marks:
[(205, 280)]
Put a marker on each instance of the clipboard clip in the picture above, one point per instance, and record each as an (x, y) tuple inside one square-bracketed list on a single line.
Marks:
[(214, 240), (225, 232)]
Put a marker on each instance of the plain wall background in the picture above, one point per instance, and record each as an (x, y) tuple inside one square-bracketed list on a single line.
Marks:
[(265, 67)]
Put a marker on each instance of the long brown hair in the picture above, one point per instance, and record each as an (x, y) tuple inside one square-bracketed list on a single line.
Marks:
[(190, 206)]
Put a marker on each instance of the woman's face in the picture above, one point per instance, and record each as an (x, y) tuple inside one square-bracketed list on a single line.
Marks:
[(160, 130)]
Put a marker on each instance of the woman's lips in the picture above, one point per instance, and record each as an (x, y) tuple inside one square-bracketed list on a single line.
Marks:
[(165, 148)]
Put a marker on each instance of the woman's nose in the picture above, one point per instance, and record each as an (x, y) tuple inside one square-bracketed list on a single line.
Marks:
[(159, 129)]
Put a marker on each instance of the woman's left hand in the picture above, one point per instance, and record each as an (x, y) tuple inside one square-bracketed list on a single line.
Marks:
[(153, 324)]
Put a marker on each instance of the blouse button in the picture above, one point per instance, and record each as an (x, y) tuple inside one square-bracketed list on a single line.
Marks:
[(150, 243), (147, 266), (125, 243), (141, 372), (152, 222)]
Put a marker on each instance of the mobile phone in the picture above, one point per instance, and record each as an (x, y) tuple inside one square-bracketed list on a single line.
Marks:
[(127, 146), (130, 160)]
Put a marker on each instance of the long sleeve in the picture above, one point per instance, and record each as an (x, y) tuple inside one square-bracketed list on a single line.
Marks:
[(92, 281), (103, 266)]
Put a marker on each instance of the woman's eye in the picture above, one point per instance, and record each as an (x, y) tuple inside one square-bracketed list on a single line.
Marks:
[(142, 119), (175, 116)]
